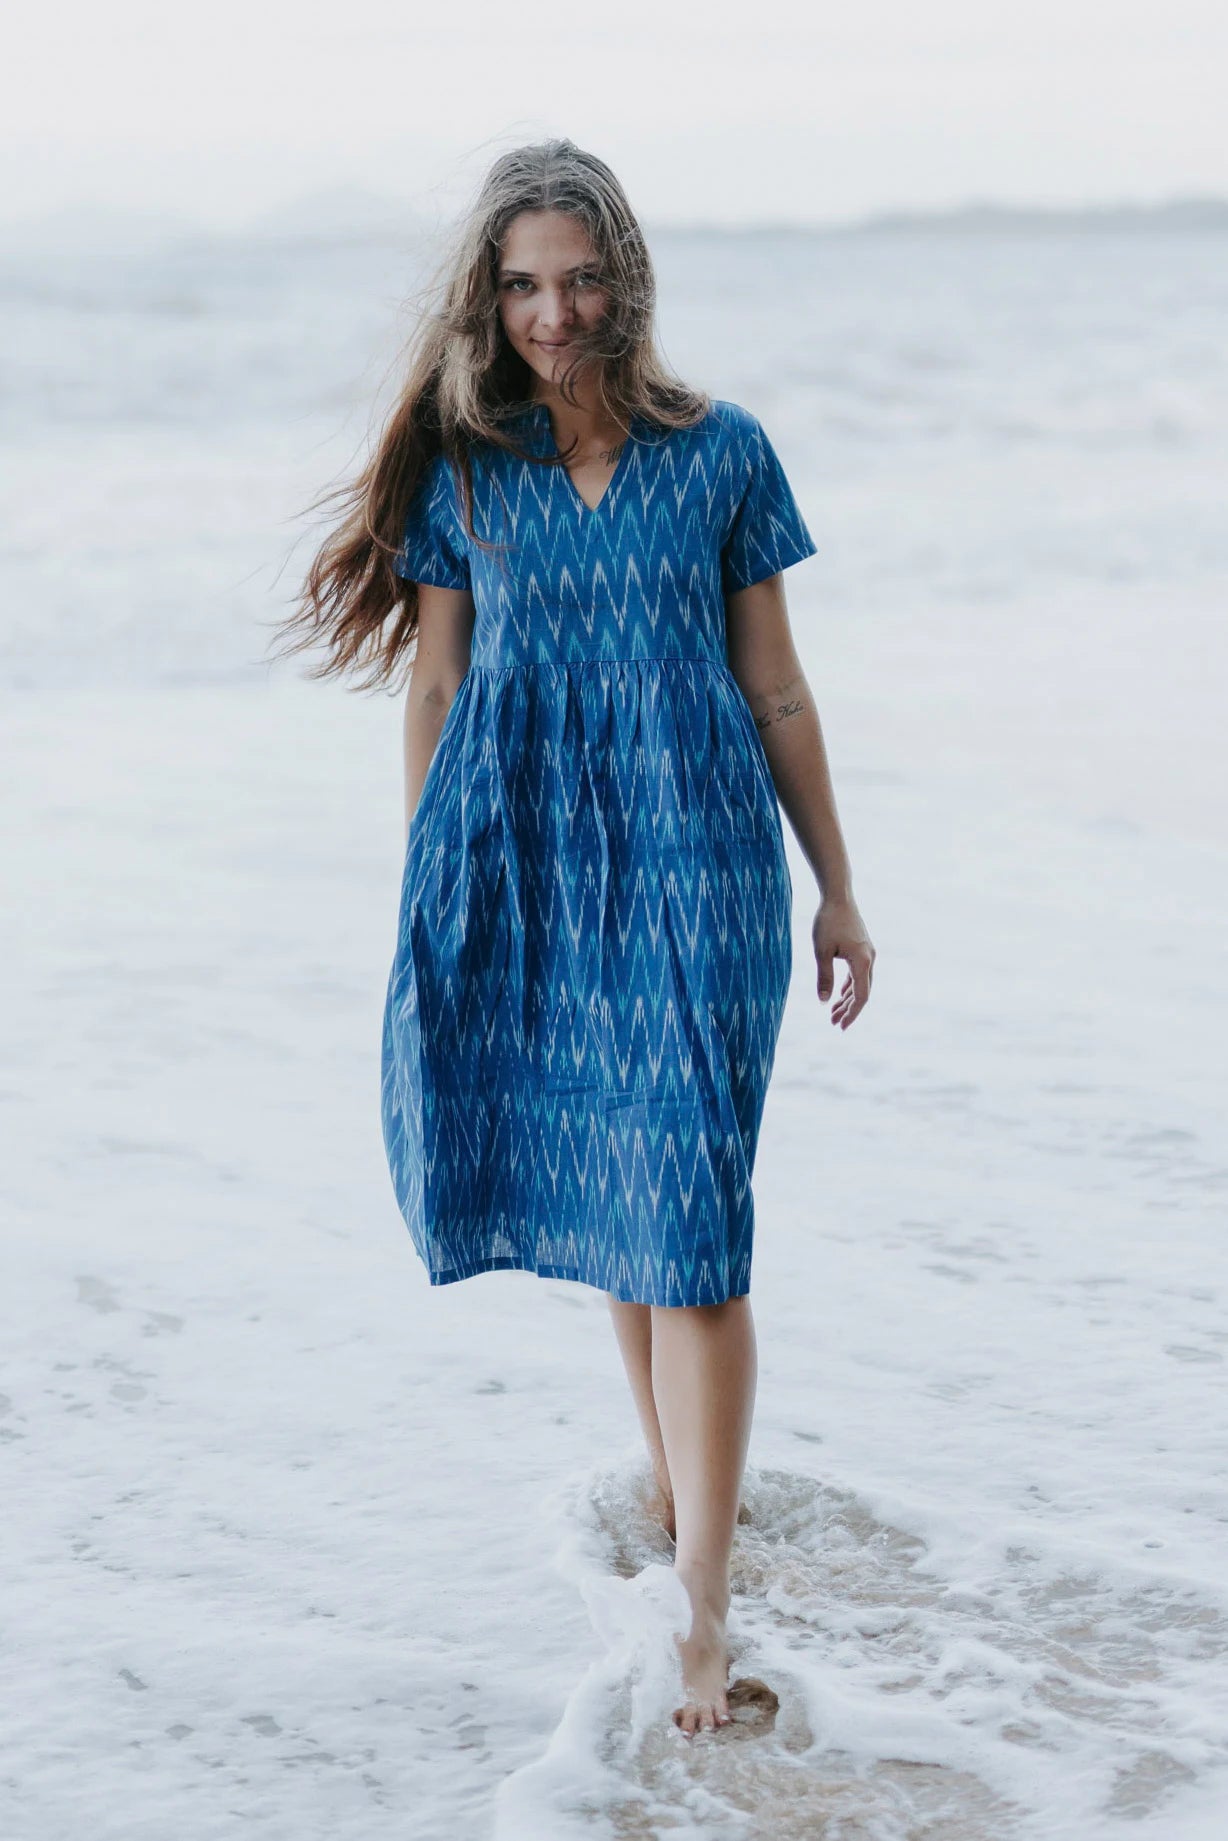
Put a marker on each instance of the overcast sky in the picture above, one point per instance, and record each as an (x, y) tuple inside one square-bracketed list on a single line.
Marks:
[(763, 110)]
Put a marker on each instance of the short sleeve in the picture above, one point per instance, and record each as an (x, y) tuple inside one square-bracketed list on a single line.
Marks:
[(768, 531), (432, 549)]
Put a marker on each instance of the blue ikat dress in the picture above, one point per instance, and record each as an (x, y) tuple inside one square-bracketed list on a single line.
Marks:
[(594, 938)]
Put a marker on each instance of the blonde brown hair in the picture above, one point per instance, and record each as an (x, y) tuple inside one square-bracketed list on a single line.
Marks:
[(464, 382)]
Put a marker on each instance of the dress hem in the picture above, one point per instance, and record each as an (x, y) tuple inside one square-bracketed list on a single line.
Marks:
[(498, 1262)]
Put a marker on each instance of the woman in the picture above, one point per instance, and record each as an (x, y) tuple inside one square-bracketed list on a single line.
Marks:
[(594, 940)]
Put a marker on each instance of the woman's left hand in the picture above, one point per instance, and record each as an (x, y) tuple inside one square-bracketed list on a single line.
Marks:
[(839, 932)]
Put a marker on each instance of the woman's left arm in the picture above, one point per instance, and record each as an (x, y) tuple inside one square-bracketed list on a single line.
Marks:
[(764, 661)]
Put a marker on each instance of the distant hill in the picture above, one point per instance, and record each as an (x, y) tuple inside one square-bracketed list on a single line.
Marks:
[(1200, 215), (354, 216), (1172, 214)]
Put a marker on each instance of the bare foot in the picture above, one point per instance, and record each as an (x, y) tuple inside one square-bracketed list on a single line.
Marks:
[(705, 1675)]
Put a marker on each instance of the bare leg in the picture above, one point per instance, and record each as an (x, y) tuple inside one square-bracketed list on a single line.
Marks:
[(633, 1328), (704, 1371)]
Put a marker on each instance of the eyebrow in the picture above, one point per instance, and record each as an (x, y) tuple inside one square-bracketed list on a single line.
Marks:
[(529, 275)]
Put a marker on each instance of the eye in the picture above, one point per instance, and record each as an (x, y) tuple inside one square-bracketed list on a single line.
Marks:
[(585, 278)]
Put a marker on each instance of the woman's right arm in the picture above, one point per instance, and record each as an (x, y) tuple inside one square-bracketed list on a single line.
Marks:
[(445, 630)]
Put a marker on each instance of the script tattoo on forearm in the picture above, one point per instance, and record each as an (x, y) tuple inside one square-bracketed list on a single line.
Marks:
[(783, 712)]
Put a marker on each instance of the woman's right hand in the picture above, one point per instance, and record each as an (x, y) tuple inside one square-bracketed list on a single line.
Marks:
[(838, 932)]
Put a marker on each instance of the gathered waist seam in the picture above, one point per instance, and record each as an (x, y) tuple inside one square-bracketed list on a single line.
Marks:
[(604, 658)]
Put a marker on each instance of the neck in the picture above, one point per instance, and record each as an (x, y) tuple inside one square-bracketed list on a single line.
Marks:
[(583, 421)]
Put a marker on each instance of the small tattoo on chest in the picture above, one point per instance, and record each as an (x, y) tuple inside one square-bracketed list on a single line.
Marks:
[(608, 454)]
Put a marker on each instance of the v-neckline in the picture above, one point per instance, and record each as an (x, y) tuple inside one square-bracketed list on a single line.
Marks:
[(542, 411)]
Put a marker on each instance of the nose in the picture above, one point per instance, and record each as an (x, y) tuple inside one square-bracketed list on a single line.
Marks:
[(556, 311)]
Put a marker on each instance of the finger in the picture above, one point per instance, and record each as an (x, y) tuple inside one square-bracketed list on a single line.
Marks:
[(859, 997), (859, 968), (853, 987), (827, 974)]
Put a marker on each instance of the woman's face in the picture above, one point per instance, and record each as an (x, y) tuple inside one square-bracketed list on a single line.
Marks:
[(547, 283)]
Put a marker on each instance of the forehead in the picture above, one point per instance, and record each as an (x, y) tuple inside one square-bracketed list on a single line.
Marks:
[(544, 241)]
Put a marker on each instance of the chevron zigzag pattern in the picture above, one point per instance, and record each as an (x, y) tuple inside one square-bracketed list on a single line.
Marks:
[(593, 946)]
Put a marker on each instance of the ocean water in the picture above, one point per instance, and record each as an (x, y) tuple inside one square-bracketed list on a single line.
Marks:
[(298, 1546)]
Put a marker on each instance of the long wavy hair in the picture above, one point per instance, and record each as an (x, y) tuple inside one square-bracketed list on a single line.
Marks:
[(464, 382)]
